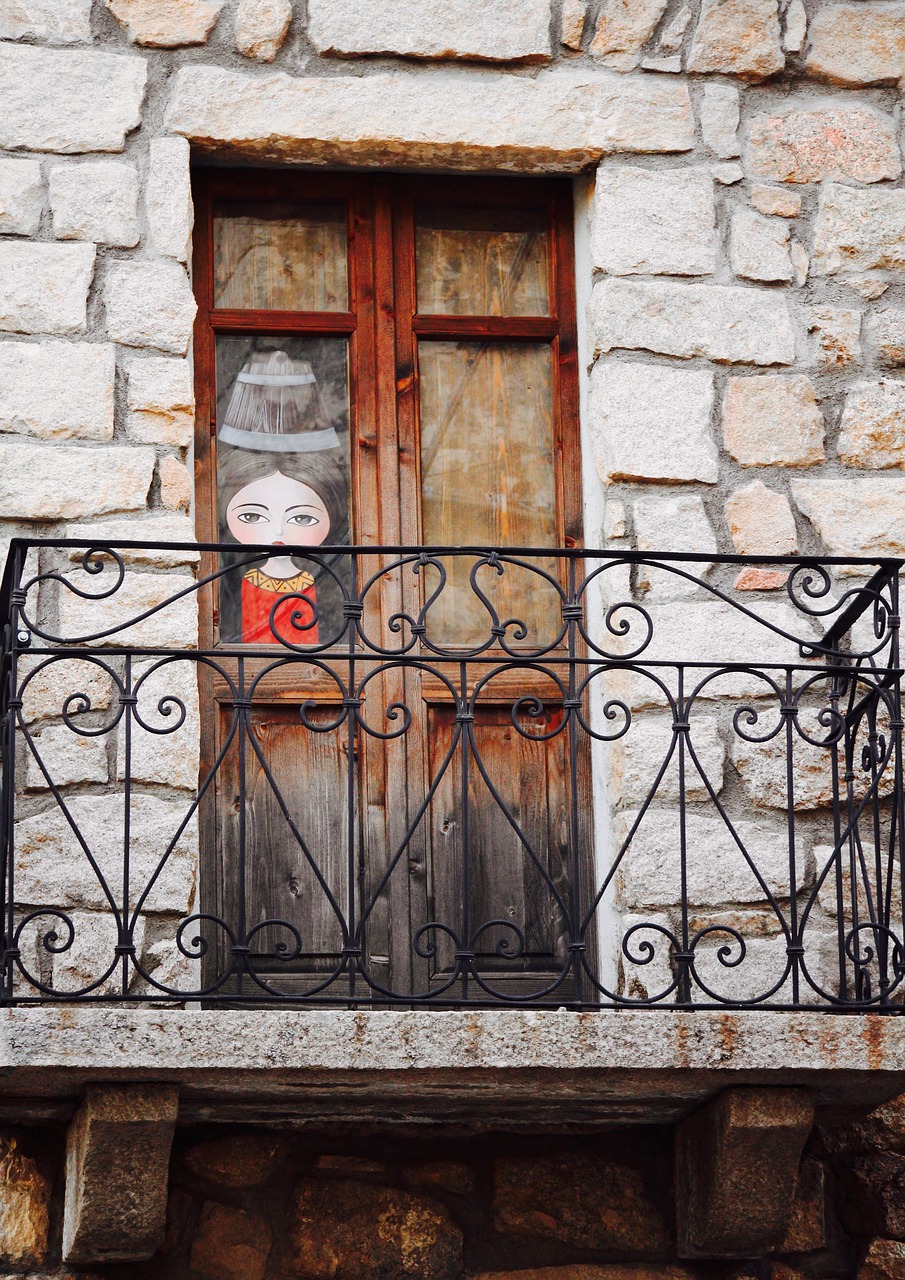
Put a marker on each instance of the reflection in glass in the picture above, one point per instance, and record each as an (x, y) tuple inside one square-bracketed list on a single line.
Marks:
[(282, 258), (487, 478), (282, 479), (481, 262)]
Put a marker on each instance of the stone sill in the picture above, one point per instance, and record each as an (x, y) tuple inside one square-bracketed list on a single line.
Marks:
[(543, 1069)]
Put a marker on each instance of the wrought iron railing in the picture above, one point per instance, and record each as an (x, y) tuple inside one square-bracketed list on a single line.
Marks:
[(456, 776)]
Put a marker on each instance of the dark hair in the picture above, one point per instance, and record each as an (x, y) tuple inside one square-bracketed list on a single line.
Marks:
[(325, 473)]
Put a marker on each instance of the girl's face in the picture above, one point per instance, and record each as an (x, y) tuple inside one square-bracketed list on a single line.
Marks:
[(279, 511)]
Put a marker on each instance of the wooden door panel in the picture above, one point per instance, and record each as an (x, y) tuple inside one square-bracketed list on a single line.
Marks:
[(484, 849), (310, 772)]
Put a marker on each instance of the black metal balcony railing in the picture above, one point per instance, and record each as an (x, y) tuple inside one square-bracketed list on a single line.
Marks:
[(401, 811)]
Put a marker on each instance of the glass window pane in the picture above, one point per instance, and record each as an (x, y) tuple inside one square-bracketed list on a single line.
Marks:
[(487, 478), (282, 478), (482, 262), (282, 257)]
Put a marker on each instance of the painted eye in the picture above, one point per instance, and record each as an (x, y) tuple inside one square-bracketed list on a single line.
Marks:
[(250, 517), (303, 520)]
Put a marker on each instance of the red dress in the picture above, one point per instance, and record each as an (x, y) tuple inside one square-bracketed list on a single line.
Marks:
[(261, 592)]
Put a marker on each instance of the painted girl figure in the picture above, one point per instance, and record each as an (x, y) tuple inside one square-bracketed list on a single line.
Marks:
[(281, 482)]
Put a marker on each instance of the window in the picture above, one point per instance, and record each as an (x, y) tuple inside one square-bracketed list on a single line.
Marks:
[(383, 361)]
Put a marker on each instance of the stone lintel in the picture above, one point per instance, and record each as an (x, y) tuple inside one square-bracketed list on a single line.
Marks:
[(560, 121), (737, 1163), (117, 1168), (503, 1069)]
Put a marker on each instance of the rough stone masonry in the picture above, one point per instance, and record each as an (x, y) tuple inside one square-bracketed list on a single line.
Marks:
[(745, 353)]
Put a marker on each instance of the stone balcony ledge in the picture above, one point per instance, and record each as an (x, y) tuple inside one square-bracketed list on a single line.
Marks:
[(552, 1069)]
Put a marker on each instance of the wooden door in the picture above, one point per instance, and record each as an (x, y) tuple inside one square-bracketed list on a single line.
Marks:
[(392, 362)]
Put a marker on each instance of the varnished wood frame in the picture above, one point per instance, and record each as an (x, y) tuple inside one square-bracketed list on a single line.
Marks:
[(383, 329)]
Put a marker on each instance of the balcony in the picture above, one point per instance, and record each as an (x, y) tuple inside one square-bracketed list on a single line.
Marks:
[(461, 778)]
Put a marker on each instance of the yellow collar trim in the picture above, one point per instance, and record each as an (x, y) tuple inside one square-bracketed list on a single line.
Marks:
[(283, 586)]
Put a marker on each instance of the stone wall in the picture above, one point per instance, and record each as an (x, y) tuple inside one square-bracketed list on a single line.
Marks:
[(257, 1204), (747, 244)]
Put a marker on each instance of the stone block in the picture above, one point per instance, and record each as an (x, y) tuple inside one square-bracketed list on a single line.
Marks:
[(21, 197), (723, 323), (654, 222), (773, 420), (762, 765), (795, 27), (847, 143), (82, 954), (775, 201), (231, 1244), (716, 869), (728, 172), (592, 1271), (636, 760), (858, 43), (738, 37), (606, 1203), (558, 122), (69, 757), (240, 1160), (574, 18), (158, 526), (667, 523), (175, 484), (761, 580), (57, 390), (95, 201), (68, 100), (119, 1138), (673, 35), (63, 482), (703, 631), (645, 972), (756, 967), (161, 401), (837, 333), (807, 1225), (759, 247), (499, 30), (24, 1207), (169, 198), (168, 967), (46, 21), (855, 517), (166, 736), (719, 119), (166, 24), (652, 422), (52, 869), (376, 1231), (44, 686), (886, 335), (44, 287), (872, 429), (67, 481), (859, 230), (736, 1169), (173, 620), (150, 304), (885, 1261), (623, 28), (761, 521), (874, 1187), (261, 27)]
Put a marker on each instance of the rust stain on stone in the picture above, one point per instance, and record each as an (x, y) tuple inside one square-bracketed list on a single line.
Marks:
[(728, 1036), (872, 1035), (681, 1043)]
